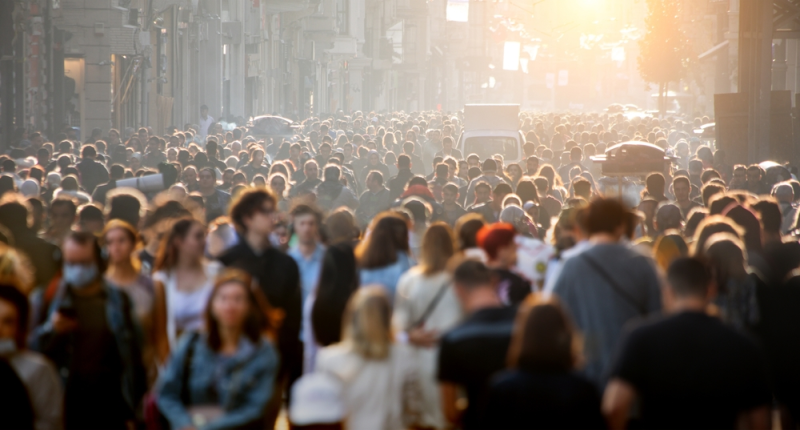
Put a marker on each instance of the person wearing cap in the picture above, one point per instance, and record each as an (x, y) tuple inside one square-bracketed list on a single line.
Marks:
[(488, 175)]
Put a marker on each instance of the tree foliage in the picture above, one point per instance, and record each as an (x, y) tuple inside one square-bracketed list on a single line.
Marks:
[(664, 49)]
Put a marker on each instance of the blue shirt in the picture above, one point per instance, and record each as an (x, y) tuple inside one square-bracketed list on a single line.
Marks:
[(387, 275), (309, 268)]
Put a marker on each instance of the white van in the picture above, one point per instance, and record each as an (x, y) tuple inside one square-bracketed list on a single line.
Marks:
[(490, 130)]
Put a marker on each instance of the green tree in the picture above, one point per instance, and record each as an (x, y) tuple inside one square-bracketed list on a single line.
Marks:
[(664, 49)]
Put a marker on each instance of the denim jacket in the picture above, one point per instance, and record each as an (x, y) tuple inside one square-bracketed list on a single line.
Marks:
[(122, 323), (241, 385)]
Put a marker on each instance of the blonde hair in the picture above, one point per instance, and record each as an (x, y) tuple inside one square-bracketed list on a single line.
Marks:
[(438, 245), (366, 327), (16, 269)]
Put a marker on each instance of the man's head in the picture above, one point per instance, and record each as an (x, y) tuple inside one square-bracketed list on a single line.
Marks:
[(472, 278), (473, 160), (783, 192), (668, 217), (582, 188), (208, 179), (375, 181), (449, 193), (489, 166), (576, 154), (311, 170), (306, 222), (408, 147), (532, 164), (253, 211), (325, 150), (682, 188), (447, 143), (62, 213), (442, 171), (483, 192), (689, 278), (403, 161), (500, 192), (88, 152), (606, 217), (655, 184), (204, 111), (83, 260), (90, 219), (332, 173)]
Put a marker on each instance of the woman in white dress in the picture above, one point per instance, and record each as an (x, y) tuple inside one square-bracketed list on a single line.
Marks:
[(425, 308), (183, 280)]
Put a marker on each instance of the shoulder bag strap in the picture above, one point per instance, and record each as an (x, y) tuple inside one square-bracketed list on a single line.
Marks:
[(640, 308), (186, 376), (432, 305)]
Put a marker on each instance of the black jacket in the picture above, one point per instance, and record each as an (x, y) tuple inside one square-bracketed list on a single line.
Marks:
[(279, 278)]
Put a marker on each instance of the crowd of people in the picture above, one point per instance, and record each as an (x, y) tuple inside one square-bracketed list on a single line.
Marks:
[(367, 274)]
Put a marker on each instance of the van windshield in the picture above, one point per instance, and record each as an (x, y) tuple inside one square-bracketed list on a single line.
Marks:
[(487, 146)]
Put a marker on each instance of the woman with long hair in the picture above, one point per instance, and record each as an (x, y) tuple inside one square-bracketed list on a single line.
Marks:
[(378, 375), (540, 389), (384, 254), (425, 308), (737, 287), (323, 312), (224, 376), (556, 188), (124, 272), (183, 281)]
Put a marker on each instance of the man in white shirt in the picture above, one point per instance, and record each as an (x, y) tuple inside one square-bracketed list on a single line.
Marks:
[(205, 121)]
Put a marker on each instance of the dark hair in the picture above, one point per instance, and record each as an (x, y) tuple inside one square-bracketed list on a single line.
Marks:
[(125, 207), (668, 216), (85, 238), (709, 190), (332, 172), (467, 228), (210, 170), (471, 274), (388, 237), (544, 338), (693, 220), (117, 171), (683, 179), (605, 216), (17, 299), (582, 188), (90, 212), (689, 277), (526, 191), (719, 203), (256, 321), (247, 203), (502, 189), (64, 201), (655, 184), (89, 151), (338, 279), (305, 209), (167, 256), (770, 214)]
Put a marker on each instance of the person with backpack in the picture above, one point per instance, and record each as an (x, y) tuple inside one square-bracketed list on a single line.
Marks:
[(223, 377)]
